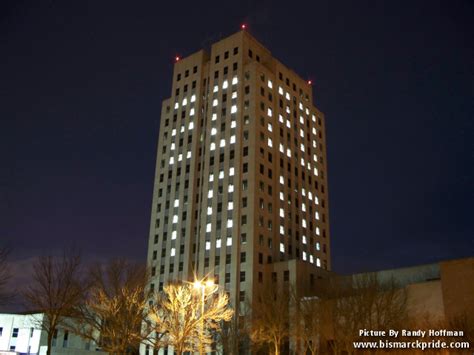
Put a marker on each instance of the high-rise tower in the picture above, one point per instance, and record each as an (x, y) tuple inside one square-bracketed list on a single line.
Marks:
[(240, 192)]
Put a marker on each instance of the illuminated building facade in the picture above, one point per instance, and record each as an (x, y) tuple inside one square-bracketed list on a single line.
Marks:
[(240, 193)]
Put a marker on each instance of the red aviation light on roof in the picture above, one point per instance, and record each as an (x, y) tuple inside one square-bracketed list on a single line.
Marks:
[(177, 58), (243, 26), (310, 82)]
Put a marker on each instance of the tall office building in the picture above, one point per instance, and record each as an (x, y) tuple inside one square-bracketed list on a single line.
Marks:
[(240, 192)]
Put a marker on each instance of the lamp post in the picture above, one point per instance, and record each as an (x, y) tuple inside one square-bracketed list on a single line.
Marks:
[(202, 287)]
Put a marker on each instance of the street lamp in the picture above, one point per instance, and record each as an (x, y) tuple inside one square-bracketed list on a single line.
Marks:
[(200, 285)]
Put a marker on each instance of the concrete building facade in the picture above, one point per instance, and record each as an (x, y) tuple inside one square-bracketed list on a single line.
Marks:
[(22, 334), (240, 190)]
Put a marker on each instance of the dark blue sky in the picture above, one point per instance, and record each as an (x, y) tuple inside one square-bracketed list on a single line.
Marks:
[(81, 86)]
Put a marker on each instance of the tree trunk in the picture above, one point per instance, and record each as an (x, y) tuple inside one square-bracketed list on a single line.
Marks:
[(277, 348), (50, 341)]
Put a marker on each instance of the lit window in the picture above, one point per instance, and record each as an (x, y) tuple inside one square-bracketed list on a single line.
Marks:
[(270, 84), (280, 118), (301, 120), (180, 157), (287, 95), (229, 241), (173, 132), (301, 106), (213, 146), (301, 133), (188, 155), (171, 160), (214, 117), (302, 147), (315, 157), (234, 94), (303, 207), (280, 90), (303, 223), (288, 109), (215, 102), (316, 171), (235, 80), (288, 152), (176, 203), (222, 143), (316, 200), (314, 143), (213, 131), (233, 124), (233, 109), (210, 194), (231, 188), (281, 148), (229, 223), (318, 262), (225, 84), (282, 180), (316, 215), (191, 125), (208, 227), (181, 129), (193, 98), (318, 231), (307, 111), (282, 212), (313, 118), (269, 112), (174, 234), (191, 112), (221, 174), (288, 123), (318, 246), (302, 162), (269, 127), (282, 196), (230, 206), (173, 146), (211, 178), (304, 239), (208, 245), (218, 243), (209, 211), (311, 259), (310, 195), (173, 252), (304, 256), (270, 143), (216, 88), (282, 248), (232, 139), (176, 105), (175, 218), (231, 171), (303, 191), (314, 131), (185, 101), (282, 230)]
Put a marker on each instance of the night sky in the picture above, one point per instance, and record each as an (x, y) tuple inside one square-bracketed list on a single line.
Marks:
[(81, 86)]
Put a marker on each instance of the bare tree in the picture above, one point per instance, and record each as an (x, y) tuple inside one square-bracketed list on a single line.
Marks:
[(57, 287), (364, 302), (178, 315), (5, 276), (233, 336), (114, 314), (307, 322), (269, 321)]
